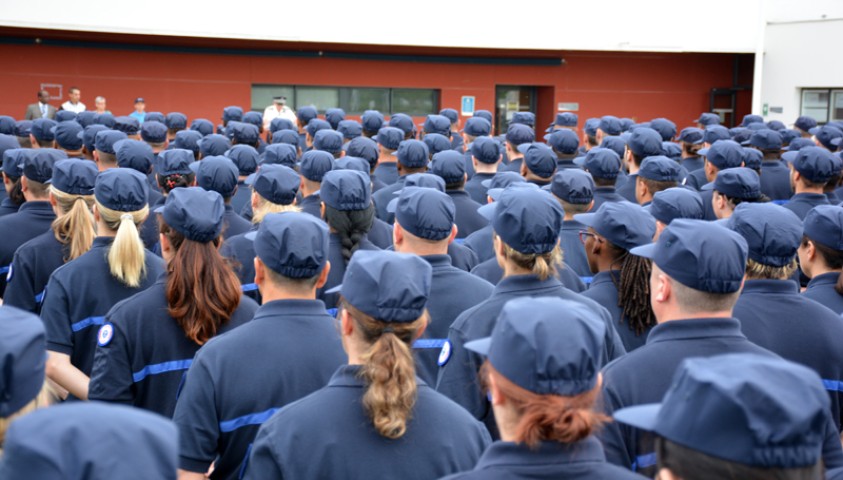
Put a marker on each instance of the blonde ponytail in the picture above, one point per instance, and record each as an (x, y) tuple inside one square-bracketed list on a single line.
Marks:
[(542, 265), (265, 207), (75, 226), (127, 256)]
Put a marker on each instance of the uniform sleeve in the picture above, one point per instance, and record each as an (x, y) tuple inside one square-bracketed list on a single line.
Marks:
[(614, 344), (111, 375), (832, 450), (612, 435), (263, 460), (55, 313), (457, 377), (197, 420), (20, 290)]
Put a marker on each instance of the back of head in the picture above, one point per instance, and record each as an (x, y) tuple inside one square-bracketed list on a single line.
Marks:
[(293, 247), (23, 363), (773, 235), (349, 211), (72, 187)]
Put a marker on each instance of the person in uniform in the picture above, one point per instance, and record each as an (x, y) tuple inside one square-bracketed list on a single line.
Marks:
[(821, 256), (67, 139), (148, 341), (188, 140), (41, 133), (329, 141), (372, 121), (673, 203), (220, 174), (539, 163), (729, 189), (655, 174), (388, 138), (450, 165), (80, 293), (484, 156), (810, 169), (367, 149), (574, 190), (71, 235), (412, 156), (375, 418), (517, 134), (775, 175), (12, 173), (643, 142), (224, 401), (172, 170), (542, 366), (312, 169), (526, 224), (691, 141), (213, 144), (480, 242), (737, 416), (278, 109), (722, 154), (604, 165), (246, 158), (475, 129), (565, 145)]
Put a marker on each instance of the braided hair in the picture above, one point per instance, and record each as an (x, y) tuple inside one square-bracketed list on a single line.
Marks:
[(633, 286), (176, 180), (351, 226)]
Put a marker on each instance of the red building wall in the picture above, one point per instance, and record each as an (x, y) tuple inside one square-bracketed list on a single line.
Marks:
[(637, 85)]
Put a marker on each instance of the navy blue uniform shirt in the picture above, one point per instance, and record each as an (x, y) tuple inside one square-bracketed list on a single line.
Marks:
[(692, 164), (775, 180), (707, 197), (329, 435), (149, 228), (462, 257), (240, 251), (627, 188), (582, 460), (31, 220), (775, 316), (385, 195), (604, 291), (459, 367), (241, 197), (32, 266), (476, 190), (481, 243), (696, 179), (239, 380), (493, 273), (8, 207), (820, 289), (233, 223), (466, 217), (338, 265), (802, 203), (513, 165), (573, 250), (78, 296), (386, 172), (311, 204), (380, 234), (469, 164), (143, 360), (603, 195)]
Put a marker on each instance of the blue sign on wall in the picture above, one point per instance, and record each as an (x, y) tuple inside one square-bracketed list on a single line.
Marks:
[(467, 106)]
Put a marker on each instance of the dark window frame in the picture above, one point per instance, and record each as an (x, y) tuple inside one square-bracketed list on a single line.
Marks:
[(344, 95)]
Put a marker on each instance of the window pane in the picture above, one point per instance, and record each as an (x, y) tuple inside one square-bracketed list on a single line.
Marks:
[(320, 97), (358, 100), (262, 95), (815, 104), (837, 105), (414, 102)]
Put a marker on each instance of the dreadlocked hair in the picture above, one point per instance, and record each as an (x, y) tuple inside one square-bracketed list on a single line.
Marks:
[(351, 226), (542, 265), (176, 180), (388, 370), (633, 286), (74, 228)]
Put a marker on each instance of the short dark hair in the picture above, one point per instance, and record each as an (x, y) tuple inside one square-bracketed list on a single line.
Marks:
[(73, 89)]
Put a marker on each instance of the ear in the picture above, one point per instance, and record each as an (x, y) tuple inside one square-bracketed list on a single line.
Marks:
[(346, 324), (165, 243), (96, 212), (53, 201), (322, 209), (495, 391), (254, 200), (590, 206), (810, 250), (323, 277), (24, 184), (33, 141), (260, 272), (666, 474), (474, 162), (454, 231), (524, 170), (397, 235), (662, 290)]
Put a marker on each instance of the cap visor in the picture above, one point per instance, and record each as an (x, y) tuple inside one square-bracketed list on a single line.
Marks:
[(392, 206), (250, 179), (639, 416), (159, 209), (494, 192), (480, 346), (194, 166), (646, 251), (486, 183), (579, 161), (707, 186), (336, 289), (251, 235), (587, 219), (836, 141), (814, 130), (524, 147), (702, 152), (790, 156), (487, 211)]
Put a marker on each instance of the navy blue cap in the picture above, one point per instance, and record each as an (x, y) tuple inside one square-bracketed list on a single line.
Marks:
[(773, 233), (660, 169), (13, 162), (38, 163), (814, 163), (627, 124), (413, 154), (827, 135), (8, 142), (426, 180), (564, 141), (645, 142), (153, 132), (485, 150), (566, 119), (122, 189), (528, 220), (290, 137), (23, 128), (316, 125), (755, 410), (65, 116), (390, 137), (7, 125), (42, 129), (752, 158), (740, 182), (174, 162), (624, 224), (365, 148), (328, 140), (277, 183), (789, 135), (214, 144), (539, 159), (242, 133), (519, 133), (766, 140), (74, 177), (546, 345), (824, 225), (676, 202), (372, 121), (67, 135), (306, 114), (216, 173), (450, 114), (691, 135), (23, 362), (665, 127), (573, 186), (436, 143), (524, 118), (232, 114), (281, 123), (175, 121), (805, 123), (245, 157), (591, 126), (352, 163), (134, 154), (743, 135), (106, 119), (714, 133), (724, 154), (253, 118), (701, 255), (194, 212), (707, 119), (203, 126), (750, 119), (672, 151), (477, 127), (279, 153), (402, 122), (776, 125), (127, 125), (155, 117), (616, 144), (424, 212), (105, 139), (610, 125), (488, 211), (437, 124), (484, 114), (387, 286), (600, 163), (346, 190), (502, 180), (315, 164), (350, 129), (450, 165), (292, 244), (188, 140)]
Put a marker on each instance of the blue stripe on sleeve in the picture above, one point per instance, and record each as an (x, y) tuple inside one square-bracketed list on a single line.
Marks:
[(159, 368), (39, 297), (246, 420), (88, 322), (833, 385), (644, 461), (426, 343), (249, 287)]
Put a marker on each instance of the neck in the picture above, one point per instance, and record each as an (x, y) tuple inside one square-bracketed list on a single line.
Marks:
[(679, 315), (801, 188), (271, 293), (480, 167), (103, 230), (632, 167), (512, 270), (387, 159), (422, 249)]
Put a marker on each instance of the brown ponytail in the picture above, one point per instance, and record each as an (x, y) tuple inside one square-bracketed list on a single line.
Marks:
[(389, 370), (202, 290), (549, 417), (75, 226)]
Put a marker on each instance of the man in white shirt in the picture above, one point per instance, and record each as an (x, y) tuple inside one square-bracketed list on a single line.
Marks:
[(73, 105), (278, 108)]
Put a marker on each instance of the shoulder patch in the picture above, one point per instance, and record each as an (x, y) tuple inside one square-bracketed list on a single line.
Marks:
[(105, 334), (11, 272), (445, 353)]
